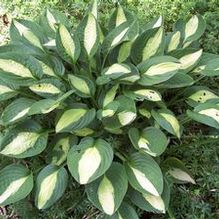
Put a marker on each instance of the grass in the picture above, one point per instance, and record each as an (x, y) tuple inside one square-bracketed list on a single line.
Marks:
[(200, 201)]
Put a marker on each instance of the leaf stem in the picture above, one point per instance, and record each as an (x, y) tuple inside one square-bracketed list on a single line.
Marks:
[(94, 102), (50, 131), (90, 70), (174, 99), (104, 61), (26, 94), (120, 156), (74, 68), (199, 78), (64, 164), (170, 213), (185, 120)]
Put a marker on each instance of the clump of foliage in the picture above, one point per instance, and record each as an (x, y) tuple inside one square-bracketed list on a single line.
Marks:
[(100, 105)]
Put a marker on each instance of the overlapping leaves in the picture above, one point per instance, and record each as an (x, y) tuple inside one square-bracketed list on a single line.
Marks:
[(91, 93)]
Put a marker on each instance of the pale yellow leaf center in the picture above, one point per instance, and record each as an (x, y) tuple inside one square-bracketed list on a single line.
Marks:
[(162, 68), (21, 143), (152, 45), (69, 117), (15, 68), (158, 22), (126, 117), (90, 34), (174, 41), (45, 88), (80, 84), (51, 20), (181, 175), (119, 37), (149, 94), (12, 188), (46, 69), (155, 201), (110, 95), (120, 17), (202, 95), (191, 26), (144, 182), (88, 164), (67, 41), (120, 217), (190, 59), (108, 113), (20, 27), (173, 122), (46, 189), (20, 114), (143, 143), (106, 196), (117, 68), (211, 112), (5, 89)]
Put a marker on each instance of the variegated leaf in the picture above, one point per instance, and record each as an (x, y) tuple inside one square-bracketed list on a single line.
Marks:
[(199, 94), (45, 106), (50, 186), (74, 119), (150, 203), (122, 72), (50, 21), (143, 94), (167, 120), (28, 33), (122, 33), (150, 140), (119, 16), (17, 110), (67, 45), (19, 70), (7, 91), (108, 96), (188, 58), (89, 160), (191, 29), (158, 69), (107, 192), (83, 85), (60, 147), (48, 88), (178, 171), (88, 33), (206, 113), (125, 114), (154, 23), (144, 174), (173, 41), (25, 140), (148, 44), (15, 184)]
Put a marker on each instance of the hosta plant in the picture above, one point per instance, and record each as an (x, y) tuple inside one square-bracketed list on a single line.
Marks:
[(101, 104)]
